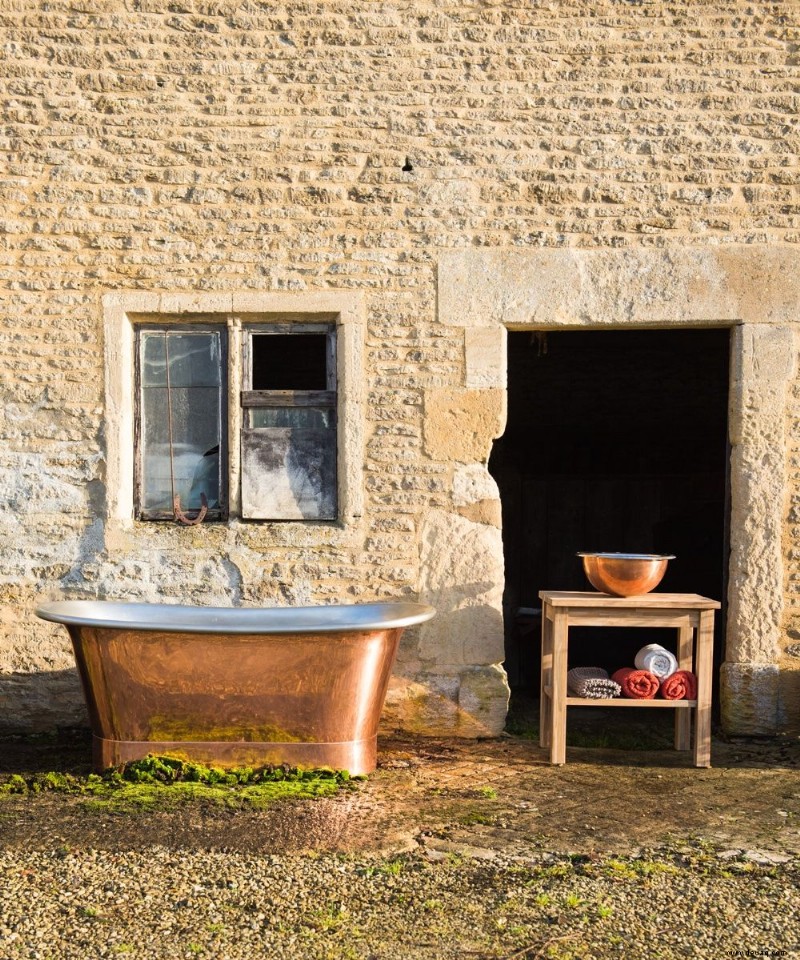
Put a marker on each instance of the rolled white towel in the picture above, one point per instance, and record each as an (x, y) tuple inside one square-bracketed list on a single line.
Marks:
[(657, 660)]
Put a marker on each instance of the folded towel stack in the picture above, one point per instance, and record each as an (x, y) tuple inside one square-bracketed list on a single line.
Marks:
[(592, 683), (637, 684), (681, 685), (656, 659)]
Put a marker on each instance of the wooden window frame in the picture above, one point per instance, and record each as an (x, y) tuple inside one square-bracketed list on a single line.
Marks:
[(281, 399)]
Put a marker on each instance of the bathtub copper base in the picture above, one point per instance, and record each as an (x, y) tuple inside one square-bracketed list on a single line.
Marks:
[(356, 756)]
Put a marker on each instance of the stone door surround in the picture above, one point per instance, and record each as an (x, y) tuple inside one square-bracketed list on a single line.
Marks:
[(754, 291)]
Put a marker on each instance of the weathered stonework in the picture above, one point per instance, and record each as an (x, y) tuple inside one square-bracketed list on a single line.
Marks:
[(762, 368), (588, 163)]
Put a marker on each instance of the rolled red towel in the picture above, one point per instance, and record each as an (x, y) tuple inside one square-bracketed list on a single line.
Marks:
[(681, 685), (636, 684)]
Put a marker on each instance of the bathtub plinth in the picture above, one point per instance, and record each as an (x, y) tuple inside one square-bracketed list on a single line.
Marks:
[(357, 756)]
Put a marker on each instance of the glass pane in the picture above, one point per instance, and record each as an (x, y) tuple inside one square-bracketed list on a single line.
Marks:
[(156, 484), (154, 364), (186, 460), (194, 358), (289, 473), (299, 418)]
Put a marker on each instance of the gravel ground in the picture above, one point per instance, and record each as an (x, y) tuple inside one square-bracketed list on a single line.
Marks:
[(163, 904)]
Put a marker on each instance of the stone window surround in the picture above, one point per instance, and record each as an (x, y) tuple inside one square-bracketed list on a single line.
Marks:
[(753, 291), (122, 310)]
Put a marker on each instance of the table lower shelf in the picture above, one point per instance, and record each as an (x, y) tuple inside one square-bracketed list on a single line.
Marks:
[(624, 702), (620, 702)]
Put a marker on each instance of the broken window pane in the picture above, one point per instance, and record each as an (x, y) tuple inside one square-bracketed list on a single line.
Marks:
[(293, 361), (289, 473), (289, 435)]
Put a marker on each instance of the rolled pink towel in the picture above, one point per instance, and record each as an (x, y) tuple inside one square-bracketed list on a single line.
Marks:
[(681, 685), (636, 684)]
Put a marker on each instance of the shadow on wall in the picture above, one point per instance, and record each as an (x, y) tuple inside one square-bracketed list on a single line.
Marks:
[(41, 702), (90, 546), (449, 679)]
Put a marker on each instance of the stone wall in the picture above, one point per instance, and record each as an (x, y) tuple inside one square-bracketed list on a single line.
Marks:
[(789, 656), (303, 147)]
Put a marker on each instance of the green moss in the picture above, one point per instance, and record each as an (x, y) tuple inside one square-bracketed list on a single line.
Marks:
[(171, 729), (476, 817), (167, 781)]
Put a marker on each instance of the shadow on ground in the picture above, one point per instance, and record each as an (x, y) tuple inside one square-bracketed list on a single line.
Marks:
[(450, 796)]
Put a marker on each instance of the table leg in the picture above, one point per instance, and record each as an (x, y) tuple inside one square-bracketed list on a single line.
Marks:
[(546, 682), (704, 658), (683, 717), (558, 745)]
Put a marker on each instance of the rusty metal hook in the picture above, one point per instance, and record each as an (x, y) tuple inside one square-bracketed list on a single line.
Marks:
[(180, 515)]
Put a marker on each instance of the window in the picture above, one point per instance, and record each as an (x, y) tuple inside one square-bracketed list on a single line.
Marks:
[(238, 319), (289, 423), (181, 448), (286, 422)]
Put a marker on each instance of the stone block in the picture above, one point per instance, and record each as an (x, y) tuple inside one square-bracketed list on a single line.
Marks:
[(473, 483), (487, 511), (427, 705), (471, 704), (485, 357), (461, 574), (460, 425), (749, 699), (483, 700)]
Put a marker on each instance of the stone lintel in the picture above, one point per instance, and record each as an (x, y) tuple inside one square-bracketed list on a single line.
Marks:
[(618, 288)]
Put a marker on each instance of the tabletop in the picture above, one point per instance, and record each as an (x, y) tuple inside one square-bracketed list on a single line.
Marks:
[(647, 601)]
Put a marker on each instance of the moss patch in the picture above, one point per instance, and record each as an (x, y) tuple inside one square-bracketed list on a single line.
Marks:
[(164, 782), (200, 729)]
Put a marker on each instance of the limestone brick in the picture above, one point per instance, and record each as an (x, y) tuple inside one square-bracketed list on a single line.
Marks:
[(461, 570), (750, 698), (485, 357), (461, 424)]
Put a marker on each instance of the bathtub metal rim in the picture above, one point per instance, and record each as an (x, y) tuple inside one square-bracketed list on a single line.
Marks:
[(181, 618)]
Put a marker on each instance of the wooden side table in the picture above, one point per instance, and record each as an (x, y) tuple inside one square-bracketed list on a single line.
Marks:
[(691, 615)]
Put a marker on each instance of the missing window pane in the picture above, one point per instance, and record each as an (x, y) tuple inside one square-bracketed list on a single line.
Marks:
[(294, 361)]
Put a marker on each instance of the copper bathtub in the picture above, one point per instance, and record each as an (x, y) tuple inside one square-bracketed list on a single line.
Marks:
[(235, 686)]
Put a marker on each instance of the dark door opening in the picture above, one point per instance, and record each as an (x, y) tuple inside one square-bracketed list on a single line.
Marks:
[(616, 441)]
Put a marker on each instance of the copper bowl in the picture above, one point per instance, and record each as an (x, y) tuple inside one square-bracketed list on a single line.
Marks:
[(625, 574)]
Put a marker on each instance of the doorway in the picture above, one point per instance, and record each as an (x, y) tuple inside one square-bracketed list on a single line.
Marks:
[(616, 440)]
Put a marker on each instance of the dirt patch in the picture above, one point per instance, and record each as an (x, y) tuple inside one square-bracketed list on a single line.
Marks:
[(446, 795)]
